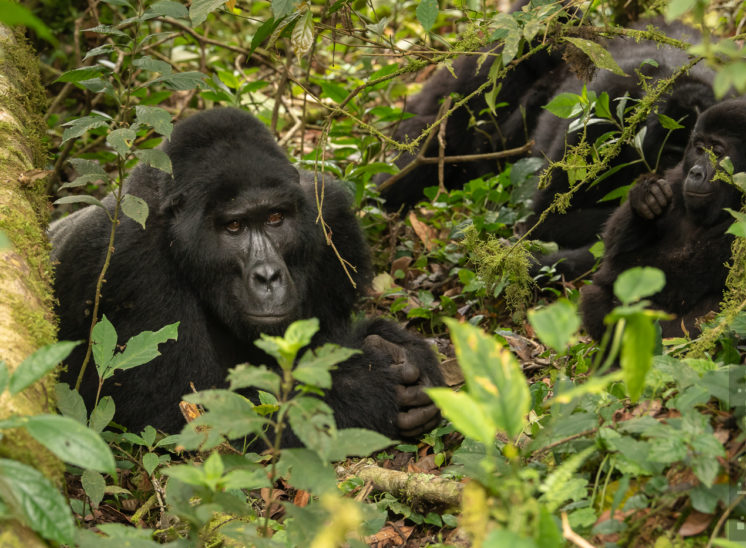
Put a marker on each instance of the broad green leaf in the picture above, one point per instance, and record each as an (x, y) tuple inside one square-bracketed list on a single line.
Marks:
[(229, 413), (187, 473), (739, 227), (265, 30), (33, 500), (135, 208), (80, 126), (334, 91), (13, 13), (357, 442), (121, 140), (39, 364), (312, 420), (493, 377), (148, 435), (564, 105), (70, 403), (86, 179), (638, 282), (167, 8), (81, 199), (155, 158), (87, 167), (677, 8), (603, 110), (314, 366), (246, 479), (107, 30), (284, 349), (597, 54), (146, 62), (104, 339), (102, 414), (302, 35), (244, 376), (150, 462), (427, 13), (71, 442), (182, 81), (555, 324), (281, 8), (200, 9), (667, 122), (213, 469), (143, 347), (305, 470), (157, 118), (76, 75), (468, 417), (638, 343), (94, 486)]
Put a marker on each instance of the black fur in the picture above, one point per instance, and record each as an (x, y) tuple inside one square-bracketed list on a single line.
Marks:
[(226, 288), (666, 226)]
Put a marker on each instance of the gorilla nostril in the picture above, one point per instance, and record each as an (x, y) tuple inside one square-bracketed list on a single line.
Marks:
[(267, 275)]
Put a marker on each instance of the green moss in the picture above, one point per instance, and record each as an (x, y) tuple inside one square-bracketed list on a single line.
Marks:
[(19, 445)]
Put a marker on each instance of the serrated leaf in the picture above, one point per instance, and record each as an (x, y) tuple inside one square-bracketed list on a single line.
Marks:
[(70, 403), (555, 324), (104, 339), (155, 158), (135, 208), (102, 414), (427, 13), (182, 81), (33, 500), (302, 35), (80, 199), (121, 140), (467, 416), (80, 126), (357, 442), (157, 118), (146, 62), (143, 347), (637, 283), (71, 442), (314, 366), (150, 462), (245, 376), (94, 486), (597, 54), (39, 364)]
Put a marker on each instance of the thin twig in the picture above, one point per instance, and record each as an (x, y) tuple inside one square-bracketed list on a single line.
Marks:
[(442, 148), (571, 535)]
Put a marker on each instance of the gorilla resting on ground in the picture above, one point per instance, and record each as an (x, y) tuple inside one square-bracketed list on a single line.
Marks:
[(576, 230), (232, 249), (677, 224)]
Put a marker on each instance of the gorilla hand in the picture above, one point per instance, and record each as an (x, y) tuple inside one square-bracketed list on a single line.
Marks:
[(650, 196), (417, 413)]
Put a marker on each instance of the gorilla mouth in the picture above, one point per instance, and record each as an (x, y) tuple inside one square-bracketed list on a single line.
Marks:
[(268, 319), (698, 194)]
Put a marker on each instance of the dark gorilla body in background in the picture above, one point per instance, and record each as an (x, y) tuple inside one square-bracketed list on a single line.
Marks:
[(232, 250), (677, 224)]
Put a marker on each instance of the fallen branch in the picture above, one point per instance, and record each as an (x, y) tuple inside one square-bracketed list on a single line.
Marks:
[(411, 487)]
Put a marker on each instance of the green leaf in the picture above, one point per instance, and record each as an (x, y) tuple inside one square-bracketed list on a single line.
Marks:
[(33, 500), (229, 413), (150, 462), (81, 199), (357, 442), (312, 420), (637, 283), (493, 377), (334, 91), (281, 8), (80, 126), (167, 8), (155, 158), (12, 14), (246, 479), (102, 414), (39, 364), (638, 343), (427, 13), (305, 470), (86, 179), (182, 81), (200, 9), (121, 140), (739, 227), (244, 376), (555, 324), (104, 339), (80, 74), (135, 208), (314, 366), (187, 473), (143, 347), (564, 105), (597, 54), (668, 123), (284, 349), (302, 35), (677, 8), (146, 62), (94, 486), (87, 167), (70, 402), (71, 442), (157, 118), (467, 415)]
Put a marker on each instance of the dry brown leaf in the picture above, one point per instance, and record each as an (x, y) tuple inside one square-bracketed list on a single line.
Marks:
[(695, 524), (424, 232)]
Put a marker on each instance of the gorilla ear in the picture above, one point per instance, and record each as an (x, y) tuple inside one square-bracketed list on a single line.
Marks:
[(171, 205)]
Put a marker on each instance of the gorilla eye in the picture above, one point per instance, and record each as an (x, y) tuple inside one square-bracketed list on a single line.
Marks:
[(234, 227), (275, 218)]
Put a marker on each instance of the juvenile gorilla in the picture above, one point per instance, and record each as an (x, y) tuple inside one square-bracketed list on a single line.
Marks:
[(232, 249), (677, 223)]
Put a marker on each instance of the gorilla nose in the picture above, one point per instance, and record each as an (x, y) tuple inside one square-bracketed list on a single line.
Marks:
[(697, 173), (267, 277)]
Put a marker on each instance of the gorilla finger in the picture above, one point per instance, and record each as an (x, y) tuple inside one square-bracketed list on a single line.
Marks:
[(666, 187), (377, 343), (421, 430), (407, 372), (645, 211), (411, 396), (652, 203), (416, 418), (661, 201)]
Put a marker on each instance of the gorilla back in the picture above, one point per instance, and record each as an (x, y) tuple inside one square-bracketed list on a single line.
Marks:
[(231, 249)]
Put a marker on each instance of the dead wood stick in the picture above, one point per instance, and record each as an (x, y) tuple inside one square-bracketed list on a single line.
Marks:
[(417, 487), (442, 147)]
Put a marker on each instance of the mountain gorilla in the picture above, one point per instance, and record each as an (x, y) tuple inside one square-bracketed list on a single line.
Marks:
[(233, 249), (677, 223), (576, 230)]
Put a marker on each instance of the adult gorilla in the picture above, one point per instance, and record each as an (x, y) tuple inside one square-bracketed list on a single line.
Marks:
[(576, 230), (677, 223), (232, 249)]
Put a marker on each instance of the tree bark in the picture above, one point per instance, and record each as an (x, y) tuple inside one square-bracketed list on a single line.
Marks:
[(26, 313)]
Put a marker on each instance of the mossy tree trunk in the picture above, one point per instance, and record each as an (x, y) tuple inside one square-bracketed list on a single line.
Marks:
[(26, 316)]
